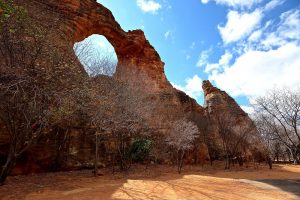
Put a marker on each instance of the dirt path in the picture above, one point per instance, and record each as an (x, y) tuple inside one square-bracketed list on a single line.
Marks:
[(159, 182)]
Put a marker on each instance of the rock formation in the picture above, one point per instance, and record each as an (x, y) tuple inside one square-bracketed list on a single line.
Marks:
[(216, 100), (75, 20)]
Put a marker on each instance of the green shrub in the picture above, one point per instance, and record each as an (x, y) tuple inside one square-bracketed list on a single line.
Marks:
[(140, 150)]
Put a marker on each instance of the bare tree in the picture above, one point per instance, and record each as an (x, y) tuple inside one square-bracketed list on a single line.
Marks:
[(236, 136), (265, 139), (225, 124), (280, 112), (23, 103), (245, 136), (31, 97), (118, 114), (96, 61), (24, 110), (181, 137)]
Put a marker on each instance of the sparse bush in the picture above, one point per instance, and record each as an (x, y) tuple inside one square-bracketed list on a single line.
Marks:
[(181, 137), (140, 150)]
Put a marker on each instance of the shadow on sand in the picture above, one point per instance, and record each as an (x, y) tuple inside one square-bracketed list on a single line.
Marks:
[(157, 182)]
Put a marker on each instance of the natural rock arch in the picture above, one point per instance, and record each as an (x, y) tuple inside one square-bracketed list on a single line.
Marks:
[(97, 55), (132, 48), (70, 21), (77, 19)]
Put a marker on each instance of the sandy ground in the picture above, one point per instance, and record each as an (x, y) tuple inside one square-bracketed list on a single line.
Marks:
[(160, 182)]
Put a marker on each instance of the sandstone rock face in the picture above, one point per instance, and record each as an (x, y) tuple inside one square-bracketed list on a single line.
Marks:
[(75, 20), (70, 21), (79, 19), (218, 105), (216, 100)]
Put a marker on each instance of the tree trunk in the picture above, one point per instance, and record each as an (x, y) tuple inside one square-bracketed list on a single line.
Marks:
[(211, 160), (96, 155), (196, 156), (227, 162), (289, 156), (269, 160), (6, 168), (180, 160), (240, 161), (177, 160), (295, 156)]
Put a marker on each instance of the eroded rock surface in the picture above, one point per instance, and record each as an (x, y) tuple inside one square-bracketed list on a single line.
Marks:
[(216, 100), (71, 21)]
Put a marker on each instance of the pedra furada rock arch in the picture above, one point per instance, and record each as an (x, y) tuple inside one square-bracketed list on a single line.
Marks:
[(71, 21), (79, 19), (75, 20)]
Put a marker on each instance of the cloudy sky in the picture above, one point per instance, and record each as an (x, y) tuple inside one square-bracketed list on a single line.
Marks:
[(244, 47)]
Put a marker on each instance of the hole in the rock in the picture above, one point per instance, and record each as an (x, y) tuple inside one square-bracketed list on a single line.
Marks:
[(97, 55)]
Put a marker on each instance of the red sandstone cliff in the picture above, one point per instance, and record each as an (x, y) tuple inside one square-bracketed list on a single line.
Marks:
[(216, 100), (73, 21)]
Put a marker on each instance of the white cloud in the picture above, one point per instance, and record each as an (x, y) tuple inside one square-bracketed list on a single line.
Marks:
[(266, 55), (148, 6), (248, 109), (192, 46), (239, 25), (211, 66), (167, 4), (256, 72), (203, 58), (225, 59), (193, 87), (255, 35), (167, 34), (267, 58), (188, 57), (290, 25), (223, 63), (178, 87), (102, 44), (272, 4), (286, 31), (235, 3), (272, 40)]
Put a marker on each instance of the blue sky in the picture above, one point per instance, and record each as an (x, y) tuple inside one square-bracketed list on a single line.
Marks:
[(245, 47)]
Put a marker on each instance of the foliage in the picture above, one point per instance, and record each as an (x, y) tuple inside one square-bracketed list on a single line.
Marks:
[(9, 11), (140, 150)]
